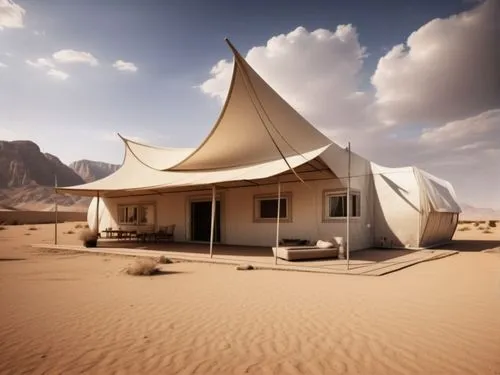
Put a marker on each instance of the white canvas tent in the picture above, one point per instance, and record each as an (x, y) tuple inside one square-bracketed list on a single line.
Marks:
[(259, 143)]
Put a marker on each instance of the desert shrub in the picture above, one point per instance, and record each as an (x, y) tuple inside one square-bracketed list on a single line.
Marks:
[(86, 226), (88, 237), (492, 223), (2, 228), (487, 231), (27, 234), (476, 223), (481, 227), (79, 226), (463, 229), (143, 267), (164, 260), (69, 232), (32, 228)]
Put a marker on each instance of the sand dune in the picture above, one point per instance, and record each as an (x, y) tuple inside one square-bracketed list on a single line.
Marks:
[(67, 313)]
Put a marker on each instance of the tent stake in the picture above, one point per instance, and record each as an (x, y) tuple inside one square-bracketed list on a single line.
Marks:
[(212, 223), (348, 236), (55, 210), (277, 224)]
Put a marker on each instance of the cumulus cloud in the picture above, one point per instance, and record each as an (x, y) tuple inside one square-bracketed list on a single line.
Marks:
[(41, 62), (125, 66), (11, 15), (447, 70), (72, 56), (58, 74), (317, 72), (473, 133)]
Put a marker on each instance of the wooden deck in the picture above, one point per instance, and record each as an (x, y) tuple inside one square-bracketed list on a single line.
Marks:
[(370, 262)]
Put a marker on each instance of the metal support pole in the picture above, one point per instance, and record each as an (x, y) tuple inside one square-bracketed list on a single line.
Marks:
[(212, 223), (278, 224), (55, 210), (97, 215), (348, 226)]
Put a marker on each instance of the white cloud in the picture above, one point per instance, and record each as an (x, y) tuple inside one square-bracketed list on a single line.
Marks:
[(72, 56), (2, 65), (317, 72), (41, 62), (58, 74), (447, 70), (125, 66), (11, 15), (477, 132)]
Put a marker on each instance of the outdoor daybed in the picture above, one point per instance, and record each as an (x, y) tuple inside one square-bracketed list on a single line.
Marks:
[(305, 252)]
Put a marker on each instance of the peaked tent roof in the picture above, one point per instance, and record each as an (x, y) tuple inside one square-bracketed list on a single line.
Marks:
[(256, 125)]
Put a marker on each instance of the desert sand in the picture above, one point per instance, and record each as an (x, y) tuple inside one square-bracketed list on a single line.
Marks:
[(66, 313)]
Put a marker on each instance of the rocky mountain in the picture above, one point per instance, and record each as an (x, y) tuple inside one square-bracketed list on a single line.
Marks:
[(22, 163), (27, 178), (90, 170)]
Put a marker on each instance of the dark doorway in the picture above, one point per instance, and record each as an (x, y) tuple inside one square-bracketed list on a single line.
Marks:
[(201, 214)]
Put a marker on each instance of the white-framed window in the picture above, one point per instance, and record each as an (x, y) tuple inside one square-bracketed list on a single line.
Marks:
[(136, 214), (266, 208), (335, 204)]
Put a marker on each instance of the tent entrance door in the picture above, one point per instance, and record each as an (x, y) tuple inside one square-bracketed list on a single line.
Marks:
[(201, 215)]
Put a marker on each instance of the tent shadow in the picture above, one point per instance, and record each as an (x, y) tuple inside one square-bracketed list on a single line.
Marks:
[(471, 245)]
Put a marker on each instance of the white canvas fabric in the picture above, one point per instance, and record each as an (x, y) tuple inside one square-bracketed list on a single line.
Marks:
[(256, 126), (439, 192), (134, 175)]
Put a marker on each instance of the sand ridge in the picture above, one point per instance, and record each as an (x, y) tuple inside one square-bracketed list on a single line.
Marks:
[(75, 313)]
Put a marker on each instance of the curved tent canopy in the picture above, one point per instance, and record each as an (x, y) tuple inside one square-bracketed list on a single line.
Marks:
[(134, 176), (255, 126)]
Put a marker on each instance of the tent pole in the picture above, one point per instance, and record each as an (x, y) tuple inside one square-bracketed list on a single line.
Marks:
[(97, 215), (212, 223), (278, 224), (348, 237), (55, 210)]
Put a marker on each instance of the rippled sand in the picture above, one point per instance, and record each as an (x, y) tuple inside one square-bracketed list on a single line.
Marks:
[(68, 314)]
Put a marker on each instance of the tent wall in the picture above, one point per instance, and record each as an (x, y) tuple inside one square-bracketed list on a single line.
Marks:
[(238, 227), (105, 218), (439, 228), (396, 207)]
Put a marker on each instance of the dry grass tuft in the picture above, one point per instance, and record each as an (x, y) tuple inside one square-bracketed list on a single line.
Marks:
[(164, 260), (2, 228), (463, 229), (487, 231), (69, 232), (78, 226), (481, 227), (143, 267), (32, 228), (492, 223)]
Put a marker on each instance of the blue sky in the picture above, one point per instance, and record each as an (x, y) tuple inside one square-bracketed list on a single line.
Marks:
[(174, 44)]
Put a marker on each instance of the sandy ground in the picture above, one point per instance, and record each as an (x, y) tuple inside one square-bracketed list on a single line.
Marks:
[(64, 313)]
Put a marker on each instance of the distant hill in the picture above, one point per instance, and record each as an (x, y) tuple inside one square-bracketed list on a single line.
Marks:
[(90, 170), (27, 178), (22, 163), (476, 213)]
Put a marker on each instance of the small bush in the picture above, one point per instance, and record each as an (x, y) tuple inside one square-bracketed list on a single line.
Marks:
[(481, 227), (2, 228), (27, 234), (79, 226), (88, 237), (143, 267), (487, 231), (32, 228), (69, 232), (86, 226), (492, 223), (463, 229), (476, 224), (164, 260)]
